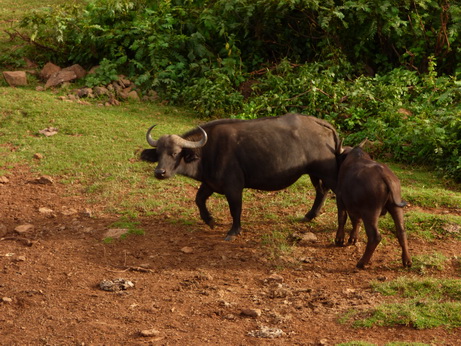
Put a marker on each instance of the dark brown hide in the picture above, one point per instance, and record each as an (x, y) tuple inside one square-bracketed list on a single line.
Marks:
[(366, 190), (266, 154)]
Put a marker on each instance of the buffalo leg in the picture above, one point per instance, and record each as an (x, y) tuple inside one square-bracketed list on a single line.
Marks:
[(234, 198), (354, 235), (374, 237), (203, 193), (321, 192), (397, 216), (342, 218)]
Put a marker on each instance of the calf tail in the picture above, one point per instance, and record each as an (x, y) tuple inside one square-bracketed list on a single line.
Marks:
[(393, 184)]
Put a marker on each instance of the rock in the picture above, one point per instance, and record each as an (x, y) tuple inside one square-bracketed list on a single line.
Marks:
[(133, 95), (24, 228), (49, 131), (46, 211), (4, 180), (15, 78), (115, 285), (187, 250), (44, 180), (7, 300), (79, 71), (59, 78), (308, 238), (21, 259), (274, 278), (48, 70), (85, 92), (38, 156), (251, 312), (149, 333), (3, 230), (115, 233), (100, 91), (266, 332)]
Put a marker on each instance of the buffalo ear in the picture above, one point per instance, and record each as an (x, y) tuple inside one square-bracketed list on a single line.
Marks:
[(149, 155)]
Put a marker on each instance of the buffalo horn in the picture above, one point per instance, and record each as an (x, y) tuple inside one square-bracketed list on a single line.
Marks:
[(184, 143), (150, 140)]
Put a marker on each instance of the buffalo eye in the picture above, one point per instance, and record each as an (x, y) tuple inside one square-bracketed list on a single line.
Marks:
[(174, 154)]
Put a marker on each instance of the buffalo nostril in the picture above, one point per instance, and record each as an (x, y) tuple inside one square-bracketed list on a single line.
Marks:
[(160, 173)]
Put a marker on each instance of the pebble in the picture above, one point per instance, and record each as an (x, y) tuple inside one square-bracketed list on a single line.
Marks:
[(251, 312), (149, 333), (4, 180), (7, 300), (24, 228), (187, 250)]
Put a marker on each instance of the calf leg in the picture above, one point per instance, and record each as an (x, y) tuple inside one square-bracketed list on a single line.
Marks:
[(342, 218), (203, 193), (374, 237), (397, 216), (321, 192), (354, 235)]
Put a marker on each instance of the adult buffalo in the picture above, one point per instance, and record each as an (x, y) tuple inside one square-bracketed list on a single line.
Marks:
[(267, 154), (367, 190)]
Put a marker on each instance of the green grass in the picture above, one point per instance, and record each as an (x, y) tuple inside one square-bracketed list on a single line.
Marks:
[(419, 303)]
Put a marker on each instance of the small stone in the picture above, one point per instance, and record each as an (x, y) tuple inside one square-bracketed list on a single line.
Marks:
[(24, 228), (274, 278), (115, 233), (7, 300), (307, 238), (4, 180), (100, 91), (251, 312), (148, 333), (87, 212), (46, 211), (187, 250), (45, 180), (85, 92), (3, 230), (21, 258), (115, 285), (67, 211), (49, 131), (38, 156)]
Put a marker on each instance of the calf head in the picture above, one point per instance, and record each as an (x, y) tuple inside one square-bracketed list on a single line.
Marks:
[(171, 152)]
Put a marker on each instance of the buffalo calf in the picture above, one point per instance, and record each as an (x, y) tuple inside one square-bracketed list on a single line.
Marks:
[(367, 190)]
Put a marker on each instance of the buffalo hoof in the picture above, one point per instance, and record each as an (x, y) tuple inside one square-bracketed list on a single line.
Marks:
[(407, 262), (230, 237), (211, 223), (352, 241), (339, 243)]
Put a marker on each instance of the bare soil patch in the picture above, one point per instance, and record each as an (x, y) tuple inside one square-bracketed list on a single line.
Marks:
[(190, 286)]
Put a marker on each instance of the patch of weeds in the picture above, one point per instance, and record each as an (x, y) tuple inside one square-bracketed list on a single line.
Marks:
[(423, 303), (422, 264), (276, 243), (132, 227), (429, 226)]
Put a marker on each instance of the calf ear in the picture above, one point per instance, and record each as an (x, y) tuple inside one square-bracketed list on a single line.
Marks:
[(149, 155)]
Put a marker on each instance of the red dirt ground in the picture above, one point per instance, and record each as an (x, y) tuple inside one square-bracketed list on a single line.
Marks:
[(190, 287)]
